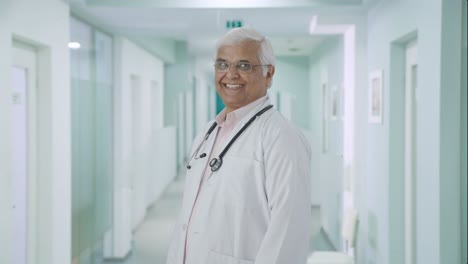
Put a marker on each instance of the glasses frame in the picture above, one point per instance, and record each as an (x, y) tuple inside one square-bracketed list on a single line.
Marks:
[(236, 64)]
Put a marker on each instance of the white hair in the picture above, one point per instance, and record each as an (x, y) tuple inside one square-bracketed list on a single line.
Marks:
[(238, 35)]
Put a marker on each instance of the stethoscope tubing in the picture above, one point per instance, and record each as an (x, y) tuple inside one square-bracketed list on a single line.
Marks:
[(216, 163), (207, 135)]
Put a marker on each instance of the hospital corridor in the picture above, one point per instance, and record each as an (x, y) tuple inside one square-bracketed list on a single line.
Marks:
[(102, 103)]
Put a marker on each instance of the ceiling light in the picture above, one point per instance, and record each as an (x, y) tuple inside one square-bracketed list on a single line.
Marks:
[(74, 45)]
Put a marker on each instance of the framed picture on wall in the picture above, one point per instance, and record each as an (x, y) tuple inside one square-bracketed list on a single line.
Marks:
[(375, 97)]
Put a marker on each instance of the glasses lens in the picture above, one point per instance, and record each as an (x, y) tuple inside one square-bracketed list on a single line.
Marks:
[(244, 67), (222, 66)]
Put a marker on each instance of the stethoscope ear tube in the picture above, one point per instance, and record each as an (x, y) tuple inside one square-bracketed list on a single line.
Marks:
[(200, 145), (212, 127), (216, 163)]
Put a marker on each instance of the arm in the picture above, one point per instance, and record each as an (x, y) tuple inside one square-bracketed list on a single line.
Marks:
[(287, 186)]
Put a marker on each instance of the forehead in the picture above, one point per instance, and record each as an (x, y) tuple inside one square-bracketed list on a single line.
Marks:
[(247, 50)]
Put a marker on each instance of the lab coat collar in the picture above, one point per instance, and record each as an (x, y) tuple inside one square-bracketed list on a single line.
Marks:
[(240, 113)]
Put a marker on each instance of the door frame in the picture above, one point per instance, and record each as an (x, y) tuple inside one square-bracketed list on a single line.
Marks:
[(410, 152), (26, 56)]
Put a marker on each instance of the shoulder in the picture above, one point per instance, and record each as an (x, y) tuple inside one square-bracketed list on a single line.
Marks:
[(276, 123), (279, 129)]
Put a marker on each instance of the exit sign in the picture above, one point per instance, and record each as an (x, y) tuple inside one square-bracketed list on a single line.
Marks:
[(233, 23)]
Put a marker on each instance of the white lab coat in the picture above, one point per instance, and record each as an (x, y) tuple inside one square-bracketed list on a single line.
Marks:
[(256, 207)]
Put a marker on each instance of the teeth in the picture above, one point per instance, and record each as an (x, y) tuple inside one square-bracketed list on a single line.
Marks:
[(233, 86)]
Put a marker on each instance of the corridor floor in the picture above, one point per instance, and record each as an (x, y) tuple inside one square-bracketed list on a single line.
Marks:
[(151, 240)]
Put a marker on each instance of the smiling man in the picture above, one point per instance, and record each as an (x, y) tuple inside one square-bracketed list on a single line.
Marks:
[(247, 188)]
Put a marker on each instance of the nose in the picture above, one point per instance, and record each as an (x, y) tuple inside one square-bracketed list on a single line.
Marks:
[(232, 72)]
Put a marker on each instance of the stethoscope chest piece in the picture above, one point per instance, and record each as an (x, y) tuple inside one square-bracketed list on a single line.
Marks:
[(216, 163)]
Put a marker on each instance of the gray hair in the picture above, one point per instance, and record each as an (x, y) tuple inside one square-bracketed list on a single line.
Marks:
[(239, 35)]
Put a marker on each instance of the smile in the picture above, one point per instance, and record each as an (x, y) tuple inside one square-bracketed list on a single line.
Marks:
[(233, 86)]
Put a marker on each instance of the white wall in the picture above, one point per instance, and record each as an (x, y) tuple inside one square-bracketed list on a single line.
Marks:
[(135, 154), (389, 22), (291, 77), (45, 25), (164, 162), (327, 170), (179, 77), (204, 93)]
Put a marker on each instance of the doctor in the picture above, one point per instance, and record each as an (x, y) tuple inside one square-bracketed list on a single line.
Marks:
[(247, 189)]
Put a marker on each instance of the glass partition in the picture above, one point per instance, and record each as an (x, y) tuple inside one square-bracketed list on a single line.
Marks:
[(92, 136)]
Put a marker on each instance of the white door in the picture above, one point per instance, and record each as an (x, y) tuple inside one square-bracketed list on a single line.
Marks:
[(410, 151), (23, 81)]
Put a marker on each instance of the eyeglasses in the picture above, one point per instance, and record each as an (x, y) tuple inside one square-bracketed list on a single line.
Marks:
[(244, 67)]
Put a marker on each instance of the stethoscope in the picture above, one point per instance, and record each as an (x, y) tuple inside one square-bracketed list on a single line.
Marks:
[(216, 163)]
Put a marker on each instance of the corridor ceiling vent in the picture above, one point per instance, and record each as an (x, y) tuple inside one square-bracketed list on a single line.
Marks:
[(294, 49)]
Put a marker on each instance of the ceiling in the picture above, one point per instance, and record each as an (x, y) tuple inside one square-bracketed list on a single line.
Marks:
[(200, 22)]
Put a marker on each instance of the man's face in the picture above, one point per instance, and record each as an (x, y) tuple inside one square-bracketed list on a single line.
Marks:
[(237, 88)]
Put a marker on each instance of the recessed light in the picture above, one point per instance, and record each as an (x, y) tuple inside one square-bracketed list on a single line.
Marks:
[(74, 45)]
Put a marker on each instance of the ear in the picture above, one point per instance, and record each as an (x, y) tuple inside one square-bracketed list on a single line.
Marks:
[(269, 75)]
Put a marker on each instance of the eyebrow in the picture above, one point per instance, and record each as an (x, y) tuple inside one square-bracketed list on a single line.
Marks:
[(223, 60)]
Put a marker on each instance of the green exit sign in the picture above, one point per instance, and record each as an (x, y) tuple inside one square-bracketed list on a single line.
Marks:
[(233, 23)]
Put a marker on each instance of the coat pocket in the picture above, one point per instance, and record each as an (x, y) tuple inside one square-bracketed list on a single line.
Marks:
[(218, 258)]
